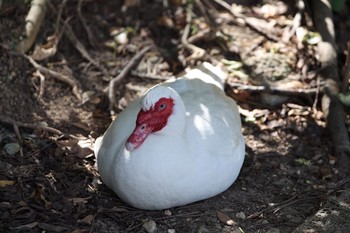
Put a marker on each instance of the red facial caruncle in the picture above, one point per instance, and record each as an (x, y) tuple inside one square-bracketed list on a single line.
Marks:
[(150, 121)]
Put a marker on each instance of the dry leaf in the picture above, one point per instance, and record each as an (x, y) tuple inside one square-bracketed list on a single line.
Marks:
[(4, 183), (225, 219), (79, 200), (81, 148), (47, 50), (87, 219)]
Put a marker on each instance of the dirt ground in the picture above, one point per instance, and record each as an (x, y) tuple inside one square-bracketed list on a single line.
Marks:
[(48, 180)]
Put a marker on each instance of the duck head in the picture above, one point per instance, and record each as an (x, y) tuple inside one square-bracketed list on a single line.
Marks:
[(158, 108)]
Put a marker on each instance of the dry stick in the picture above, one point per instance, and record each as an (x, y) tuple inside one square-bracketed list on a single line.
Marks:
[(274, 90), (59, 16), (210, 21), (81, 49), (132, 63), (296, 21), (34, 20), (331, 106), (14, 123), (42, 83), (149, 76), (87, 29), (247, 21), (197, 53), (64, 78), (271, 207), (74, 40)]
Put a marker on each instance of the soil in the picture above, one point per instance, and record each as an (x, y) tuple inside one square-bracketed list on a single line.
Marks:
[(49, 182)]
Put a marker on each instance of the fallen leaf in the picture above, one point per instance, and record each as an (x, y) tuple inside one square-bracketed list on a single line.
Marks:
[(79, 200), (225, 219), (87, 219), (4, 183)]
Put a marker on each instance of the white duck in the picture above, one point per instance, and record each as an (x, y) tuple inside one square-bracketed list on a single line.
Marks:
[(179, 143)]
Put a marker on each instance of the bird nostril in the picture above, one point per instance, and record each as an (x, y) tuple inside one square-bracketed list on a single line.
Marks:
[(129, 146)]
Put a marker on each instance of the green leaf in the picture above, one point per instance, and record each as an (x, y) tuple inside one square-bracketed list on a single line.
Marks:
[(303, 161)]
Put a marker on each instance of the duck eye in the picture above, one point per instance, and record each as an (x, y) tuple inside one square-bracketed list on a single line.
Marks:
[(162, 106)]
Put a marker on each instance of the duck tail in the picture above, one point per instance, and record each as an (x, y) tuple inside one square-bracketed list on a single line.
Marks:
[(209, 74)]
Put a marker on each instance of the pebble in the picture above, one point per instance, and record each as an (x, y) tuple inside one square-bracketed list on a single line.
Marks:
[(240, 215), (171, 230), (150, 226), (167, 212)]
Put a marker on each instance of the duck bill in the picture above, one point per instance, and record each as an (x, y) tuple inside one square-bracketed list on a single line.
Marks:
[(137, 137)]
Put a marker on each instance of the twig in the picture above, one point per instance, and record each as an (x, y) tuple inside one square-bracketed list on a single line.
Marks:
[(42, 83), (76, 43), (14, 123), (213, 27), (69, 80), (59, 16), (149, 76), (251, 22), (274, 90), (197, 53), (314, 105), (34, 20), (81, 49), (132, 63), (87, 29), (270, 208), (296, 21), (282, 205)]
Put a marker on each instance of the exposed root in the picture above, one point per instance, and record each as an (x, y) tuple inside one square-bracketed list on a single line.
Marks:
[(17, 124), (127, 69), (61, 77)]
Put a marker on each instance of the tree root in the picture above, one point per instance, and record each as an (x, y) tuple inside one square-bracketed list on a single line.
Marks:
[(33, 22), (61, 77), (331, 105), (127, 69), (17, 124)]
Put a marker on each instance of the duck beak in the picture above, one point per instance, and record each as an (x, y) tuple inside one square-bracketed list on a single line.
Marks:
[(138, 136)]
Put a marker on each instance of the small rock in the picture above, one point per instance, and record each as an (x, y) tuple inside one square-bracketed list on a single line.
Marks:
[(167, 212), (12, 148), (240, 215), (273, 230), (150, 226), (171, 230)]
